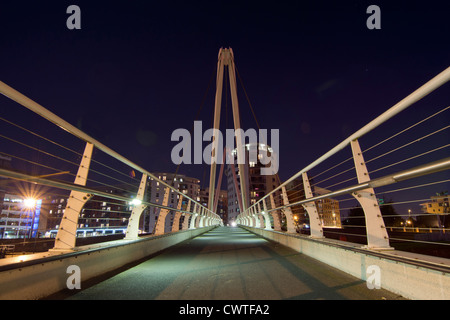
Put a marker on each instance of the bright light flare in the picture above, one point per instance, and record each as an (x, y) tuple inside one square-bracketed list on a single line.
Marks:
[(233, 224), (136, 202), (29, 203)]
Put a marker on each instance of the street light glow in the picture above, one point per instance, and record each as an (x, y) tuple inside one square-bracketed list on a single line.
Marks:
[(136, 202), (29, 203)]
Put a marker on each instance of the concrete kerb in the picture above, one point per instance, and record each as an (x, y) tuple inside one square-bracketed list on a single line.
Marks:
[(44, 274), (412, 276)]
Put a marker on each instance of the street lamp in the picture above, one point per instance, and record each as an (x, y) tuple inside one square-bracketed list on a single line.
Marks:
[(29, 203), (136, 202)]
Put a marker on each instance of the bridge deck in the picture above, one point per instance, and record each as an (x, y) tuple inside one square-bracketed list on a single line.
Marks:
[(230, 263)]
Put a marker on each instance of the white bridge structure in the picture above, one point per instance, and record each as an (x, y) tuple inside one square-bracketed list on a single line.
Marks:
[(414, 276)]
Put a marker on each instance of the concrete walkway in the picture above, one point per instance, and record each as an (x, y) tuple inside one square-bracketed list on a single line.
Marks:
[(230, 263)]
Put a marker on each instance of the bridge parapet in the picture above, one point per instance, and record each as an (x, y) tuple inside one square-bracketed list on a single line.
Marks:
[(40, 275), (413, 276)]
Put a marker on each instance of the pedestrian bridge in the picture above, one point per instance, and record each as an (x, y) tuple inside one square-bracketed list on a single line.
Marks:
[(264, 256), (225, 263)]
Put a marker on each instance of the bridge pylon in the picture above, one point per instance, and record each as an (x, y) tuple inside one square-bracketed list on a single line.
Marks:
[(226, 60)]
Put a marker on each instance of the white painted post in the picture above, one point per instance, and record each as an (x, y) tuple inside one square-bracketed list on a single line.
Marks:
[(266, 216), (161, 223), (377, 237), (310, 207), (187, 216), (193, 217), (176, 218), (133, 223), (275, 215), (288, 213), (67, 232)]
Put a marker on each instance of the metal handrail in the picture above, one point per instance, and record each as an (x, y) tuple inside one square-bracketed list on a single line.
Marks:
[(77, 187), (23, 100), (419, 171), (415, 96)]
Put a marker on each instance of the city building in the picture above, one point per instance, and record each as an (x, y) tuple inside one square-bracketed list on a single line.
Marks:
[(187, 185), (436, 211), (222, 204), (19, 216), (295, 192), (258, 185), (438, 204), (104, 212), (328, 209)]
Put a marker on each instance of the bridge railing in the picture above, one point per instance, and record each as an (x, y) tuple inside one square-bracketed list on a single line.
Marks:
[(378, 187), (72, 181)]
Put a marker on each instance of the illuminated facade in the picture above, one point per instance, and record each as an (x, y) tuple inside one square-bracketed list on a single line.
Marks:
[(259, 185), (328, 210), (438, 204), (19, 217), (187, 185)]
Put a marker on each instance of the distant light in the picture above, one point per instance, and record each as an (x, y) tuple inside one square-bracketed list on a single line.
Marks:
[(136, 202), (29, 203), (22, 258), (233, 224)]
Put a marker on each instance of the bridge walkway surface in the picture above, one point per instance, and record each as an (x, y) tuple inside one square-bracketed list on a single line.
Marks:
[(229, 263)]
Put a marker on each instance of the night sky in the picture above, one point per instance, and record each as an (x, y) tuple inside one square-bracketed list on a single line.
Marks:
[(138, 70)]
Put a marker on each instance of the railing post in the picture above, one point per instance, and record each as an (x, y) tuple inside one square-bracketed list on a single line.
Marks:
[(201, 220), (244, 219), (256, 221), (187, 216), (193, 217), (133, 223), (250, 220), (176, 218), (199, 216), (377, 237), (275, 215), (67, 232), (266, 216), (311, 209), (161, 223), (209, 218), (288, 213), (260, 216)]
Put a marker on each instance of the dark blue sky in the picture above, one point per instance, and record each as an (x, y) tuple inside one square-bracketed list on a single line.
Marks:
[(138, 70)]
